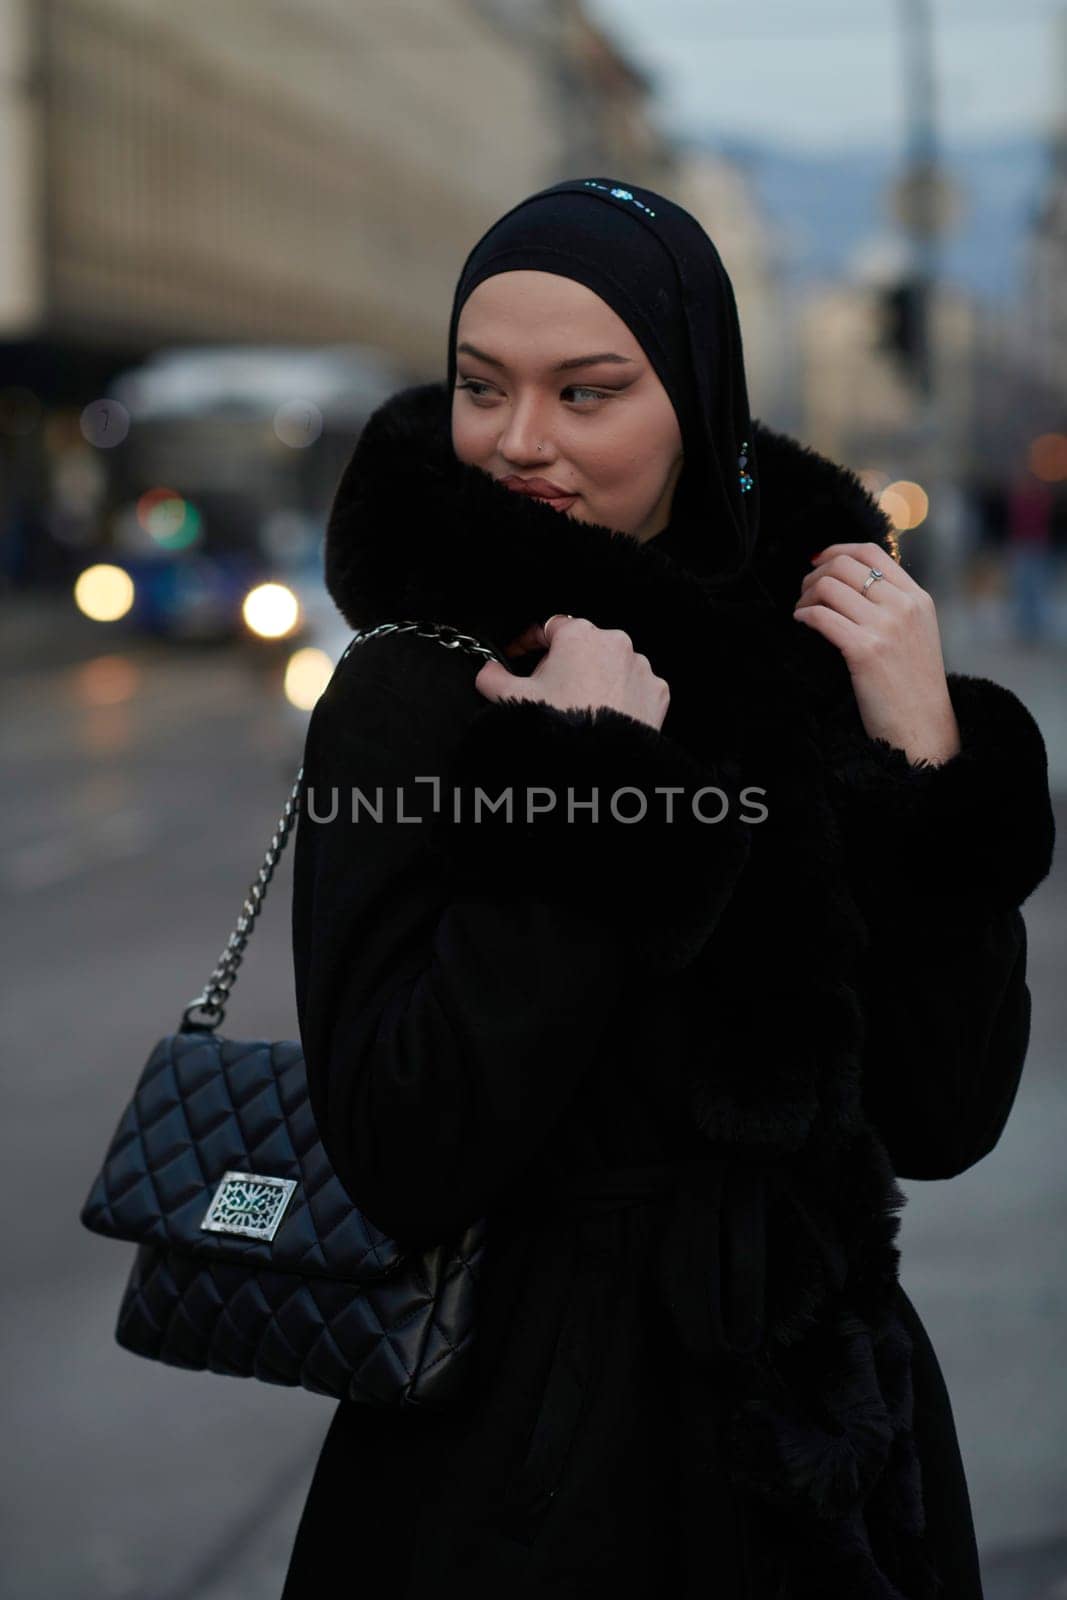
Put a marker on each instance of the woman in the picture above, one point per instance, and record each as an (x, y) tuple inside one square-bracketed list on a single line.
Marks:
[(676, 1058)]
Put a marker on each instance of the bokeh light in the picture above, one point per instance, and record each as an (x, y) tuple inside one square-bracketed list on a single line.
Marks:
[(105, 423), (307, 673), (298, 423), (271, 610), (1048, 457), (906, 504), (874, 480), (103, 592), (106, 681), (172, 522)]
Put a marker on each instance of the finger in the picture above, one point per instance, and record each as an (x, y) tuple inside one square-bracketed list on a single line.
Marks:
[(870, 553), (495, 680), (843, 591), (564, 615), (840, 596), (839, 630), (865, 550), (848, 569)]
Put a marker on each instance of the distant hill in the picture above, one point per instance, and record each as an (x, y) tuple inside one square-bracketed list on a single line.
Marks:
[(831, 207)]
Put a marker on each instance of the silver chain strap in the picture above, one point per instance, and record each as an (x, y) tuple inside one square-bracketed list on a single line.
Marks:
[(206, 1012)]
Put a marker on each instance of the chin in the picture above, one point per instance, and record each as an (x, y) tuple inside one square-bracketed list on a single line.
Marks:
[(581, 513)]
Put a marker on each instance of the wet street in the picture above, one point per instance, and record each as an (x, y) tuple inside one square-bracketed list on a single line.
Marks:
[(141, 791)]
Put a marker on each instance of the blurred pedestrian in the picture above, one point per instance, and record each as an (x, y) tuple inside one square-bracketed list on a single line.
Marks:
[(1031, 562), (677, 1055)]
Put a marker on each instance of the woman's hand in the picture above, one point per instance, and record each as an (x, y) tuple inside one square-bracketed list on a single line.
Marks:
[(890, 639), (585, 667)]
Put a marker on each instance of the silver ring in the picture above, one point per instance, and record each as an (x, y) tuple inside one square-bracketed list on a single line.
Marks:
[(874, 576)]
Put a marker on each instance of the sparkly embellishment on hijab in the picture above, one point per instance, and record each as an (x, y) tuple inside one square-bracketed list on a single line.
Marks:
[(742, 462), (620, 194)]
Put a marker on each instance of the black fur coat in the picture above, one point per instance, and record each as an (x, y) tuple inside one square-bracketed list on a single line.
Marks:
[(714, 1385)]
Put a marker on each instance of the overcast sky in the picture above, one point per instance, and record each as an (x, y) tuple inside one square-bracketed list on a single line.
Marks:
[(827, 73)]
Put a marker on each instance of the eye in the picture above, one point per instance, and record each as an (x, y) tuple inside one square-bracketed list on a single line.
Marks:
[(597, 394), (478, 388), (472, 384)]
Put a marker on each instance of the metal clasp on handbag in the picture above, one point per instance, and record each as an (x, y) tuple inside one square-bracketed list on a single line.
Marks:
[(249, 1204)]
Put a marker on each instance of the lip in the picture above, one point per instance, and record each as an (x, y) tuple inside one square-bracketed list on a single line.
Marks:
[(538, 489)]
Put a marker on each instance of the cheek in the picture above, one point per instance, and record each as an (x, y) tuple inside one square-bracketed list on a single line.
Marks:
[(472, 440), (626, 471), (629, 461)]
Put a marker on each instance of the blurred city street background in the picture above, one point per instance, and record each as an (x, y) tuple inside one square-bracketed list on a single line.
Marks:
[(230, 231)]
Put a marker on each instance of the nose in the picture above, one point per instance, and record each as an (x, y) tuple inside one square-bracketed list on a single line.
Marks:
[(526, 430)]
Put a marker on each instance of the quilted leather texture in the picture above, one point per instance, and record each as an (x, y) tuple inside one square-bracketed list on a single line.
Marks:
[(330, 1303)]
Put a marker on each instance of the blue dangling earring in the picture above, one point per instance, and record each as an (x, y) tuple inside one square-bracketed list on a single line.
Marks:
[(742, 462)]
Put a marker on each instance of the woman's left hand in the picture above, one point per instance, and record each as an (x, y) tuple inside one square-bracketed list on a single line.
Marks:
[(890, 640)]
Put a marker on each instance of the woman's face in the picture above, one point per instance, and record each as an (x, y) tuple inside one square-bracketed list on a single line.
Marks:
[(608, 433)]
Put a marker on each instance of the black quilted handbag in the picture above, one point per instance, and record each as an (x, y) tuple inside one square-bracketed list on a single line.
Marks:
[(252, 1260)]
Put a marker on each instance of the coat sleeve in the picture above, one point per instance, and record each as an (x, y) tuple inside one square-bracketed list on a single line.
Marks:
[(453, 985), (940, 860)]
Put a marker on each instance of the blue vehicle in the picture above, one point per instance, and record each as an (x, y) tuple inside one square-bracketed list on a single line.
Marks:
[(224, 479)]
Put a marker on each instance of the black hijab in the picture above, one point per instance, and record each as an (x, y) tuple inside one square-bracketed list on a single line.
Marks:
[(652, 262)]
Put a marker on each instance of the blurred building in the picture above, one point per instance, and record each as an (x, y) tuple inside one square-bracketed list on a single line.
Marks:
[(1044, 307), (601, 96), (857, 406), (1018, 393), (1042, 332), (1021, 347), (270, 172)]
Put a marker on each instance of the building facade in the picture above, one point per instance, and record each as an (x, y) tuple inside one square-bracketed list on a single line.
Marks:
[(264, 172)]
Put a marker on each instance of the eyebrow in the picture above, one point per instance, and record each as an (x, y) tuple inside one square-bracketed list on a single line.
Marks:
[(564, 366)]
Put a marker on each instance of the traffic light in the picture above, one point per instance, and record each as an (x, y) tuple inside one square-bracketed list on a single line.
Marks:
[(903, 333)]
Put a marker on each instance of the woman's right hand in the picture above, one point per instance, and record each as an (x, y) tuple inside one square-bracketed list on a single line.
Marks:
[(585, 667)]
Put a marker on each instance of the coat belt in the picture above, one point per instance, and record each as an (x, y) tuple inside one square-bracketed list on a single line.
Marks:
[(711, 1271), (713, 1247)]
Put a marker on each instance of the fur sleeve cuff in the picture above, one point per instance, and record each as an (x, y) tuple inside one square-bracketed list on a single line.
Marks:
[(658, 865), (979, 825)]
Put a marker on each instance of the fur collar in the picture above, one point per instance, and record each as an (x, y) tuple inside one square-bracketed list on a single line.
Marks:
[(414, 533)]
